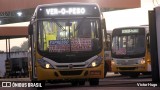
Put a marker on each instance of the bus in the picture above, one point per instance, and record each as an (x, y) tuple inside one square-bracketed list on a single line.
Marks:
[(66, 44), (131, 51)]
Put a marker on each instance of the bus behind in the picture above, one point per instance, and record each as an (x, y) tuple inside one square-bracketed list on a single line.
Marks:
[(130, 51)]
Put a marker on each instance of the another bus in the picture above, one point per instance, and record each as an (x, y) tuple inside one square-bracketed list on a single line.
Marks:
[(131, 51), (66, 42)]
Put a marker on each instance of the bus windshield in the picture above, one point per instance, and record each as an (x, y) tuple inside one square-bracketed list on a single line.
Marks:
[(128, 45), (69, 35)]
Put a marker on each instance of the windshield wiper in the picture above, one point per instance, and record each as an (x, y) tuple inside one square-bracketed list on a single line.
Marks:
[(59, 25)]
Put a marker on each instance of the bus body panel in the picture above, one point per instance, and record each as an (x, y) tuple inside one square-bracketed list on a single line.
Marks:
[(49, 74)]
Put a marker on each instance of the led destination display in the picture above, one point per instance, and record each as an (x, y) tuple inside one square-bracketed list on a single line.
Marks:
[(64, 11), (127, 31), (68, 11)]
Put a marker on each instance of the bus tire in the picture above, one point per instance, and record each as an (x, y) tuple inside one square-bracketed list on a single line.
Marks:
[(134, 75), (42, 84), (94, 82), (82, 82), (146, 73), (74, 83), (105, 69), (124, 73)]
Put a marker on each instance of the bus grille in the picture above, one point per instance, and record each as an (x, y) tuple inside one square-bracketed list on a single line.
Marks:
[(126, 68), (75, 72), (127, 62), (66, 66)]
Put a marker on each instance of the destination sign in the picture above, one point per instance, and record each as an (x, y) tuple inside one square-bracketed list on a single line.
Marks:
[(127, 31), (130, 31), (65, 11), (59, 46), (68, 11), (58, 42)]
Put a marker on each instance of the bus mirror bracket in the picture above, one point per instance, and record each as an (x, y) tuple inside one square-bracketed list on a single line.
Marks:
[(103, 24), (30, 29)]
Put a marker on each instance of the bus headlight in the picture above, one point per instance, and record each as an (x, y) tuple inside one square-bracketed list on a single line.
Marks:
[(95, 62), (48, 65), (142, 61), (113, 62), (45, 64)]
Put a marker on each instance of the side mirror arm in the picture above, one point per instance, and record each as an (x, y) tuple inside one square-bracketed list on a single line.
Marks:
[(30, 29)]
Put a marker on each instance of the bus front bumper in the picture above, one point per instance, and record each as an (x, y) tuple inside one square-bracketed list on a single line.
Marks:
[(127, 68), (68, 74)]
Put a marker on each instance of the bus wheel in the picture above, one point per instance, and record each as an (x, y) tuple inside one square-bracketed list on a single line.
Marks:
[(146, 73), (134, 75), (41, 82), (105, 69), (82, 83), (94, 82), (123, 73), (74, 83)]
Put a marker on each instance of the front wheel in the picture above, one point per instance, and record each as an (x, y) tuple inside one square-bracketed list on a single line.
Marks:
[(41, 84), (123, 73), (74, 83), (134, 75), (82, 83), (78, 82), (94, 82), (105, 69)]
